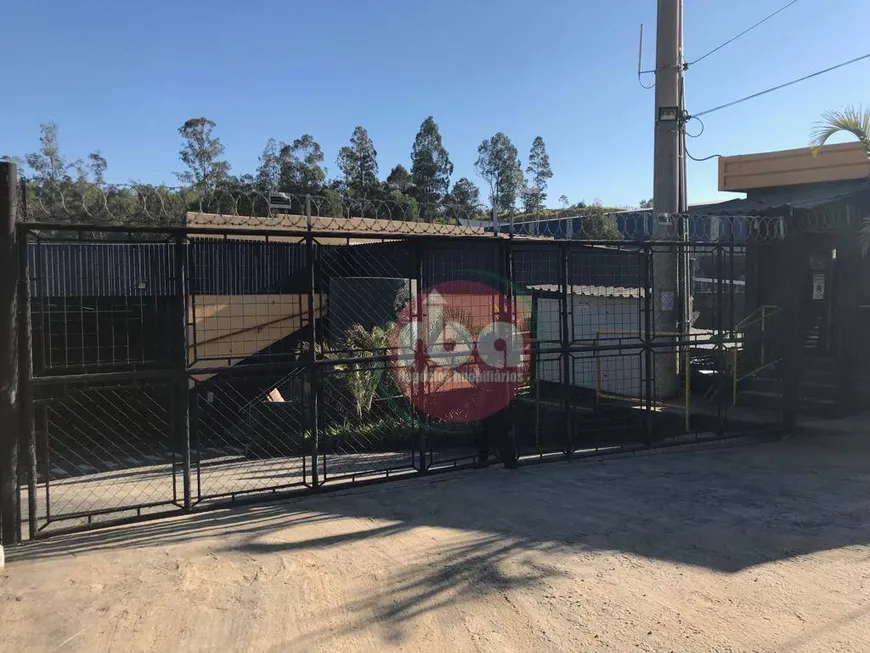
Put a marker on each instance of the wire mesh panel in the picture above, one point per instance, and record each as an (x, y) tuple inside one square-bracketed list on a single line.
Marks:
[(606, 292), (300, 358), (250, 433), (99, 306), (364, 287), (104, 453), (540, 412), (247, 300), (367, 428)]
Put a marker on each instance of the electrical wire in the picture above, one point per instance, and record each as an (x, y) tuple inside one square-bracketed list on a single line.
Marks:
[(743, 33), (689, 119), (685, 65), (701, 160), (781, 86), (640, 80)]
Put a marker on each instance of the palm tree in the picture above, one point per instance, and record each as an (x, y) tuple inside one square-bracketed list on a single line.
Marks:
[(364, 378), (855, 121)]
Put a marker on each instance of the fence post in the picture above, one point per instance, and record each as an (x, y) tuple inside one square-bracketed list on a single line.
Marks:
[(721, 363), (508, 432), (312, 371), (567, 337), (181, 402), (417, 388), (26, 432), (9, 382), (649, 330)]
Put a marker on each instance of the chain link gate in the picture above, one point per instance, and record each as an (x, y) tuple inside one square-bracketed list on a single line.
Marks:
[(177, 367)]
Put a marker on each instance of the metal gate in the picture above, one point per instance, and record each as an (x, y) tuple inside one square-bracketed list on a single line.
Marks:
[(167, 368)]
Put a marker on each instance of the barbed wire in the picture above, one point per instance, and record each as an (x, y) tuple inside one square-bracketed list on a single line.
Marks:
[(136, 206)]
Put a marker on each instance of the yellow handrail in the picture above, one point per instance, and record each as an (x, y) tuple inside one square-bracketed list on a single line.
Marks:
[(762, 312)]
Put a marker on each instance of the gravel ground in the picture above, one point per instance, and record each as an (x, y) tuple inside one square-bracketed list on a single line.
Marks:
[(757, 547)]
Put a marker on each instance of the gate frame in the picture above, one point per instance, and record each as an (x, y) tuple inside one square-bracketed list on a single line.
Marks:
[(184, 414)]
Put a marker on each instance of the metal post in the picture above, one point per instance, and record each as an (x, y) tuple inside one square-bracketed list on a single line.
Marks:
[(567, 337), (27, 432), (507, 291), (420, 416), (9, 381), (312, 372), (721, 365), (649, 356), (181, 402)]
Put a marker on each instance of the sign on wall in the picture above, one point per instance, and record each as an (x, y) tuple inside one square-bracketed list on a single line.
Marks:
[(818, 286)]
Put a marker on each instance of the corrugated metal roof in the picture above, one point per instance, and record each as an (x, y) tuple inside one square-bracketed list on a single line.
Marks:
[(773, 201), (215, 267), (593, 291), (101, 269)]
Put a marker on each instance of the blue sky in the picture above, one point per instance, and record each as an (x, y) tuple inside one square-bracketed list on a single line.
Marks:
[(123, 76)]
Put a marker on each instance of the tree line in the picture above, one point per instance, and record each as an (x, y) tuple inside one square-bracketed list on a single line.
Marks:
[(297, 168), (421, 192)]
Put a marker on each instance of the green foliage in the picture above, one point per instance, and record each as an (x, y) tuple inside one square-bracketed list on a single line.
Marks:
[(200, 152), (299, 169), (464, 199), (563, 200), (364, 378), (402, 206), (430, 164), (390, 430), (95, 168), (48, 165), (539, 172), (358, 163), (646, 204), (399, 179), (597, 225), (269, 169), (328, 203), (855, 121), (62, 189), (499, 164)]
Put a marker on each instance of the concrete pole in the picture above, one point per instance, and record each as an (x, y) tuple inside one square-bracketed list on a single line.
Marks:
[(667, 185)]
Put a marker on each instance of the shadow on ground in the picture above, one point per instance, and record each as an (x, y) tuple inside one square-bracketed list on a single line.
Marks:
[(725, 509)]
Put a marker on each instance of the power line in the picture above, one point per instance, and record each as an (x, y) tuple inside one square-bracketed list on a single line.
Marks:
[(781, 86), (713, 51), (701, 160), (743, 33)]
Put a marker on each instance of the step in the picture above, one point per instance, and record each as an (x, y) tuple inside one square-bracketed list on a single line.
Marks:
[(821, 376), (759, 399), (820, 390), (820, 363), (812, 406), (761, 383), (815, 386), (822, 408)]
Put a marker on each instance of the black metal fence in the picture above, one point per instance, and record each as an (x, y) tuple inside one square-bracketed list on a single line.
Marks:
[(172, 368)]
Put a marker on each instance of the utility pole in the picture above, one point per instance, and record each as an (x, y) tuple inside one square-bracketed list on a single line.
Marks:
[(669, 198)]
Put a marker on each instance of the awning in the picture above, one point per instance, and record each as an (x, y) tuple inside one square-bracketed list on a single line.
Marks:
[(779, 201)]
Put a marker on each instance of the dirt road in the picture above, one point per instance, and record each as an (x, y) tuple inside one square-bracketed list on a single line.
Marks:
[(747, 548)]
